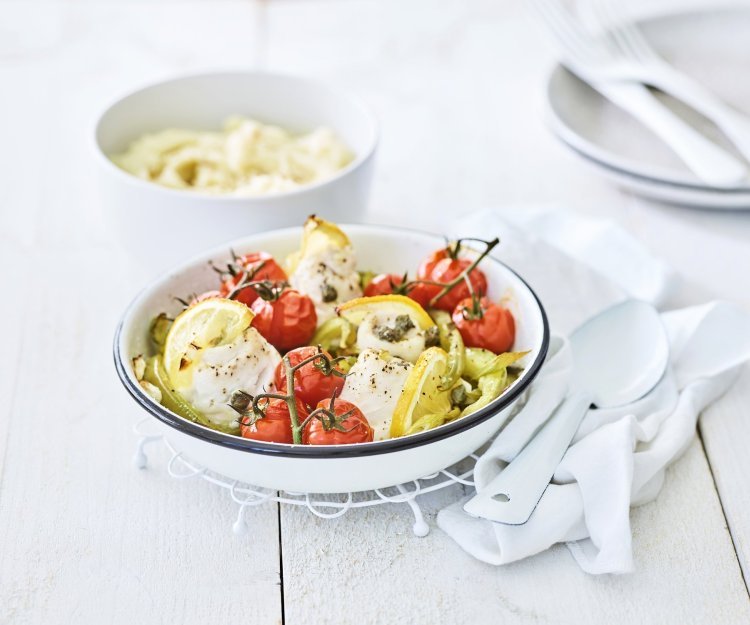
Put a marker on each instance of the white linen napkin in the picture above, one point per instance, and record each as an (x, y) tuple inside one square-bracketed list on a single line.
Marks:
[(618, 456), (600, 244)]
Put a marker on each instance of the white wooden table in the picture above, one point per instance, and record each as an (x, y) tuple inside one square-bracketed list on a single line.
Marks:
[(86, 538)]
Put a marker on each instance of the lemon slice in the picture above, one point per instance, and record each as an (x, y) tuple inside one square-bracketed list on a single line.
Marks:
[(210, 323), (356, 310), (317, 235), (421, 394)]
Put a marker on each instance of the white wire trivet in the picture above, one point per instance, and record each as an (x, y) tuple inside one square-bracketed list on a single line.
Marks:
[(246, 495)]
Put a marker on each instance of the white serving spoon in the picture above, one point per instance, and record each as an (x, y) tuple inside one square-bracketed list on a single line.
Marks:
[(618, 357)]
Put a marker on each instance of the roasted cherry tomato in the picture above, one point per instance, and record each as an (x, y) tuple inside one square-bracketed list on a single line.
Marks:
[(384, 284), (387, 283), (485, 324), (426, 266), (441, 267), (311, 384), (356, 428), (260, 266), (423, 293), (288, 320), (204, 296), (276, 426)]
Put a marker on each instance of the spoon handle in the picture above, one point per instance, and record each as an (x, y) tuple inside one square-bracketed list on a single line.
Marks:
[(514, 494)]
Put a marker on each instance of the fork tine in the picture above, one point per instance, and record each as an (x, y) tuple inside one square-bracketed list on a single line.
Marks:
[(603, 12), (639, 42), (566, 23), (570, 37), (562, 38), (627, 31)]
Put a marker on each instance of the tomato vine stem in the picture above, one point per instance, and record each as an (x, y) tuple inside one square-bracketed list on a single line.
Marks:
[(326, 415), (447, 287), (290, 401)]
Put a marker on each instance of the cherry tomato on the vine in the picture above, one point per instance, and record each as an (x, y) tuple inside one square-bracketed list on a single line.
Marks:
[(489, 326), (423, 293), (356, 427), (287, 321), (384, 284), (311, 384), (276, 425), (441, 267), (387, 283), (427, 264), (260, 266)]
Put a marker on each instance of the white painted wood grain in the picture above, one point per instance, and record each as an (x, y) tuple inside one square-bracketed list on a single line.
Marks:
[(725, 429), (84, 538), (686, 569), (11, 318)]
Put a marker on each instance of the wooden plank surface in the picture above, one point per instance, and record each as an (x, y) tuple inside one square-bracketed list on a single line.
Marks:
[(686, 569), (725, 431), (85, 538), (720, 270)]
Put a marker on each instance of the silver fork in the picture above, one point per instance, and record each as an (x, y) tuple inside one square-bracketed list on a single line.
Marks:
[(622, 81), (633, 46)]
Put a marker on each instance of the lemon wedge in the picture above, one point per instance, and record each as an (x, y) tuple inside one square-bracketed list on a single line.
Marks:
[(356, 310), (318, 235), (210, 323), (421, 395)]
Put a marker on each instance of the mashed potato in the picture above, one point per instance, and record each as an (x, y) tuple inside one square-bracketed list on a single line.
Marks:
[(246, 158)]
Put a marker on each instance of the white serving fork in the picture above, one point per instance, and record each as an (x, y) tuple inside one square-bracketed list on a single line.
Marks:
[(652, 69), (622, 81)]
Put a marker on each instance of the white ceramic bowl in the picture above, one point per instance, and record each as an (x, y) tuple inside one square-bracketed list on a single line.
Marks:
[(342, 468), (157, 224)]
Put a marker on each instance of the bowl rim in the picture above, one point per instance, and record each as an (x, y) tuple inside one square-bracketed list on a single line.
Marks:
[(359, 159), (288, 450)]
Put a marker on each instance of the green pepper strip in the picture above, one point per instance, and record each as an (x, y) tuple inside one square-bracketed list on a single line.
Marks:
[(159, 330), (335, 335), (429, 421), (172, 400), (491, 373), (480, 362), (491, 385), (452, 342)]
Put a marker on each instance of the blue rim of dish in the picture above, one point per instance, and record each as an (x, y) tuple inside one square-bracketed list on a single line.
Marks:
[(336, 451)]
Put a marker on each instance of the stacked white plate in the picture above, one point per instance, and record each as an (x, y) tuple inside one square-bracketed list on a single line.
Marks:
[(713, 48)]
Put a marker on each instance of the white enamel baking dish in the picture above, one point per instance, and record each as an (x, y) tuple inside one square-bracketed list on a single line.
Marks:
[(342, 468)]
